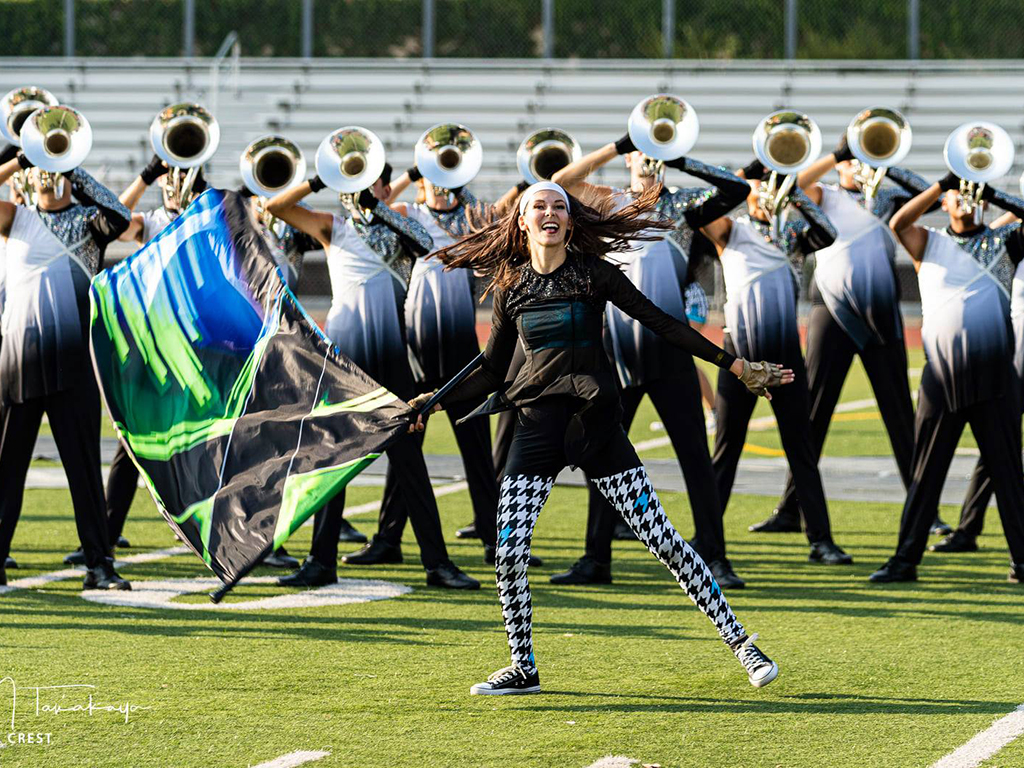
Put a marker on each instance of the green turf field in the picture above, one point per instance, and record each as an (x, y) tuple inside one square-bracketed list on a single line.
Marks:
[(891, 676)]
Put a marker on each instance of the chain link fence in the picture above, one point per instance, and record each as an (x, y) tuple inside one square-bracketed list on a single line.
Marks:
[(644, 29)]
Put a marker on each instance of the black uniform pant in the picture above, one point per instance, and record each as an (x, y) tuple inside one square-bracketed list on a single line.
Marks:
[(677, 401), (504, 431), (408, 469), (122, 482), (996, 427), (474, 440), (734, 406), (830, 354), (74, 417)]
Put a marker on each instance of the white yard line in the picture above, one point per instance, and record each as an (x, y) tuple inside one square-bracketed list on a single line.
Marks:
[(614, 761), (294, 759), (987, 743)]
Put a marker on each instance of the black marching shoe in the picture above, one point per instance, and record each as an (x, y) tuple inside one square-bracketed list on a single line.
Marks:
[(760, 669), (377, 552), (103, 576), (940, 528), (449, 576), (311, 574), (623, 532), (535, 562), (3, 577), (280, 558), (10, 564), (510, 680), (725, 575), (894, 570), (828, 553), (1016, 575), (776, 523), (123, 543), (469, 532), (957, 541), (586, 570), (350, 534), (75, 558)]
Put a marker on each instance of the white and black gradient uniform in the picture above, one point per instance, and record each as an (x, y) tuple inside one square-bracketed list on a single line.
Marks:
[(440, 326), (761, 324), (567, 412), (369, 266), (646, 364), (979, 492), (855, 311), (44, 359), (968, 376)]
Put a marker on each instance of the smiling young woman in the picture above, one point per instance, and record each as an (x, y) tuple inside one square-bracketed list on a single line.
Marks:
[(551, 284)]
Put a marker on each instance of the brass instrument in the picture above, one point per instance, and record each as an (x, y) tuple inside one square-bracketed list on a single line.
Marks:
[(545, 152), (978, 152), (879, 138), (269, 165), (348, 161), (184, 136), (56, 140), (662, 127), (15, 108), (786, 142), (449, 156)]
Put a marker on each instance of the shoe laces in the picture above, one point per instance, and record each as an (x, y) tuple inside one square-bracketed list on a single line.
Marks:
[(505, 675), (750, 655)]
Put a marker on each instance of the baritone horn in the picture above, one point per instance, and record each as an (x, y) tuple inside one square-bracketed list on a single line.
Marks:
[(56, 140), (663, 127), (184, 136), (879, 138), (786, 142), (449, 156), (15, 109), (978, 152), (545, 152), (348, 161)]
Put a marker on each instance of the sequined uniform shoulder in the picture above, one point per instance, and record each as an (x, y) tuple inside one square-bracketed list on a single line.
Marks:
[(570, 281)]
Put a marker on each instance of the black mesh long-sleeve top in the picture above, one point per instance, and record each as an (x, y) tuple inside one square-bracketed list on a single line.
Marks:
[(558, 318)]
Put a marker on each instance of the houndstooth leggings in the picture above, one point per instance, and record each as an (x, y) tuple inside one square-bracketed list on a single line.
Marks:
[(536, 457)]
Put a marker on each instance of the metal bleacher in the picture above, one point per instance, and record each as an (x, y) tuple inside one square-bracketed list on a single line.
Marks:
[(502, 101)]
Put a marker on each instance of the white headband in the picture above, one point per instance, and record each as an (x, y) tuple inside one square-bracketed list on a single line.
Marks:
[(541, 186)]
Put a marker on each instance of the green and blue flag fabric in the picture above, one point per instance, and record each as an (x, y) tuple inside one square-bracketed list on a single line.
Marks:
[(241, 415)]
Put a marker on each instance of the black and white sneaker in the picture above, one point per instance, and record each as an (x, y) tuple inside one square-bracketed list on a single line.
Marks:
[(510, 680), (760, 669)]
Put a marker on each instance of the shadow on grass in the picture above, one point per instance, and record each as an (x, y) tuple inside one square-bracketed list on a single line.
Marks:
[(804, 703)]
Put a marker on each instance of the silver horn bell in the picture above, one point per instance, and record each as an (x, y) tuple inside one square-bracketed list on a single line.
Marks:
[(350, 160), (17, 105), (271, 164), (545, 152), (879, 137), (184, 135), (449, 155), (56, 139), (663, 127), (979, 152)]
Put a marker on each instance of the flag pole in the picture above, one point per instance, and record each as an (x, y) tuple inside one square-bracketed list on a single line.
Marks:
[(456, 380)]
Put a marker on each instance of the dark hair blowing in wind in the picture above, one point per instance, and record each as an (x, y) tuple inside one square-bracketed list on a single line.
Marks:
[(499, 249)]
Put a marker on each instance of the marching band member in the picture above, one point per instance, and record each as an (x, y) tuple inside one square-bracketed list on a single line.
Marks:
[(855, 311), (965, 272), (551, 288), (53, 251), (440, 327), (761, 320), (14, 195), (647, 363), (979, 493), (370, 258)]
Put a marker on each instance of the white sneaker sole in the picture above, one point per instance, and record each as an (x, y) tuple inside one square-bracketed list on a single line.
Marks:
[(761, 682), (480, 690)]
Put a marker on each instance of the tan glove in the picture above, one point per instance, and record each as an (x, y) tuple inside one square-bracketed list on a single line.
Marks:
[(759, 376)]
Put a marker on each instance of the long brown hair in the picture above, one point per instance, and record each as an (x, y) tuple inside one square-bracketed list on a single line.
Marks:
[(499, 249)]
